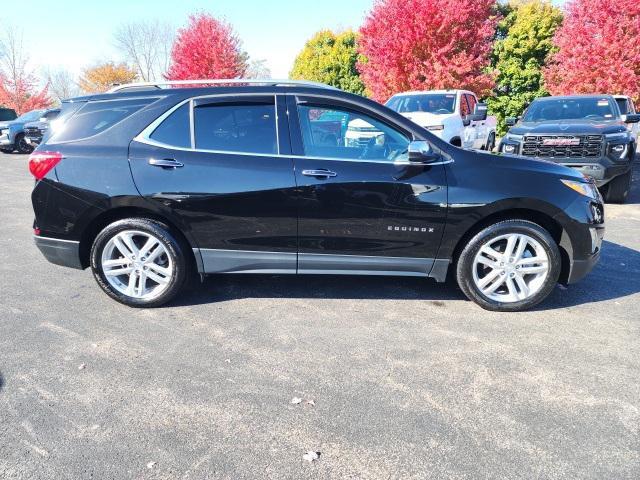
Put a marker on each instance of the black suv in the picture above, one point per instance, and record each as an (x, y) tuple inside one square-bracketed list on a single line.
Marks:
[(585, 132), (147, 185)]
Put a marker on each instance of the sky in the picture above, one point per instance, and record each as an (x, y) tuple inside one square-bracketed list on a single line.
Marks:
[(73, 34)]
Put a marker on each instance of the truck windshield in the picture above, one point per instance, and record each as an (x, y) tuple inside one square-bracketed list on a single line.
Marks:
[(588, 108), (437, 103)]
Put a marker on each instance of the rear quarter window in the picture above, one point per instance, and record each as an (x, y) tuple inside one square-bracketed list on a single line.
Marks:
[(96, 117)]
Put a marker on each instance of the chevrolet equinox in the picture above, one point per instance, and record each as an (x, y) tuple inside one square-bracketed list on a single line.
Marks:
[(151, 183)]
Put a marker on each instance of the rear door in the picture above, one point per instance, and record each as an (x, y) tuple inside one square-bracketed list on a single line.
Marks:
[(363, 207), (216, 162)]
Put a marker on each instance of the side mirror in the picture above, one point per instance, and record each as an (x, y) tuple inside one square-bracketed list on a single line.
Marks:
[(421, 151), (480, 112), (631, 118), (510, 121), (466, 120)]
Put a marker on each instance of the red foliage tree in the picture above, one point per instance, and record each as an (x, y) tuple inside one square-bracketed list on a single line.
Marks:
[(427, 44), (21, 93), (599, 49), (206, 48)]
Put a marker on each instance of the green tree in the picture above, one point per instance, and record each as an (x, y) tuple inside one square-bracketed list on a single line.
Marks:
[(523, 44), (330, 58)]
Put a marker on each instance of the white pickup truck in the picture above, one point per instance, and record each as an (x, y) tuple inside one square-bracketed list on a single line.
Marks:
[(453, 115)]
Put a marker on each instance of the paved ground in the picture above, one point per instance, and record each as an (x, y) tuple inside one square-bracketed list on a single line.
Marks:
[(409, 379)]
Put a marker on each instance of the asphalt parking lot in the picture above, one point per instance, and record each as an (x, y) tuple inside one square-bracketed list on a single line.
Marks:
[(409, 379)]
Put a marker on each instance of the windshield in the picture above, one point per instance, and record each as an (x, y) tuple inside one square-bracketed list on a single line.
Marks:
[(30, 116), (437, 103), (588, 108)]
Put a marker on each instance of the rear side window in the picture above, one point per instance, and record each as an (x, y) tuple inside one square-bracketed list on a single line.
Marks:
[(174, 130), (96, 117), (236, 127)]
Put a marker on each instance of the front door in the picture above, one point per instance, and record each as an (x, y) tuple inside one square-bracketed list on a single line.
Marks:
[(216, 164), (363, 207)]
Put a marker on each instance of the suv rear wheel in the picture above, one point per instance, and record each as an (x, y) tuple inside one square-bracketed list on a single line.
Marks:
[(510, 266), (138, 262), (617, 190)]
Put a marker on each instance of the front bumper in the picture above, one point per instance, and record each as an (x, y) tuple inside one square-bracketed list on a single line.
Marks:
[(5, 141), (60, 252)]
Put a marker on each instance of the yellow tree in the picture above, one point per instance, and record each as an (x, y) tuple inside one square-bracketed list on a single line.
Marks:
[(102, 77)]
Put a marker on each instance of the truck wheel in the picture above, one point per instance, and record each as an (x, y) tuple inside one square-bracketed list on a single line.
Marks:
[(509, 266), (617, 190), (456, 142), (6, 150), (21, 144)]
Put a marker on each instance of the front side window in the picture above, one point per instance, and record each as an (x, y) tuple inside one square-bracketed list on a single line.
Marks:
[(236, 127), (464, 106), (346, 134), (623, 105), (472, 103)]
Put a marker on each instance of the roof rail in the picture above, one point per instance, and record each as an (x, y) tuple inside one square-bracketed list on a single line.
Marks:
[(218, 81)]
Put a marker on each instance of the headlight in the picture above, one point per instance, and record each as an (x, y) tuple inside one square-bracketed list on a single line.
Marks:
[(583, 188), (619, 151), (4, 131), (509, 148), (435, 127), (617, 136), (513, 137)]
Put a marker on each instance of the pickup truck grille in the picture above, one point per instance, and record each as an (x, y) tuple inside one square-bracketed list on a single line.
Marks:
[(563, 146)]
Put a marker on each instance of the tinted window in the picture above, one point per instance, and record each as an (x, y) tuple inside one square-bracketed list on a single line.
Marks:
[(337, 133), (96, 117), (174, 130), (436, 103), (236, 127), (570, 109), (471, 100), (623, 105), (7, 114)]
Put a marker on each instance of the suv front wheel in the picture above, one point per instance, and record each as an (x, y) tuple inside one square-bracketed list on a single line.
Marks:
[(138, 262), (510, 266)]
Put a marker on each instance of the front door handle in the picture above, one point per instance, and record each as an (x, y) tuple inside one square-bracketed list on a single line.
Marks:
[(319, 173), (165, 163)]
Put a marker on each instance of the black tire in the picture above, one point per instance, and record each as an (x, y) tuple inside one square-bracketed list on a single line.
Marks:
[(21, 144), (6, 150), (456, 142), (617, 190), (465, 264), (174, 251)]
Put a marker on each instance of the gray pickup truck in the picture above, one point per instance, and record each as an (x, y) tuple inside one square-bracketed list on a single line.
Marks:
[(586, 132)]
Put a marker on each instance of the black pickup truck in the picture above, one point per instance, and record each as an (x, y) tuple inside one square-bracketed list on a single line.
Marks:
[(585, 132)]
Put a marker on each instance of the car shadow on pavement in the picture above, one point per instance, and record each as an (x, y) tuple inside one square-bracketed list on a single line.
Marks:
[(617, 275), (218, 288)]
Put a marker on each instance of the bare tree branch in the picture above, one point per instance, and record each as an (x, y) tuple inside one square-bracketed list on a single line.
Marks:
[(147, 46), (62, 84)]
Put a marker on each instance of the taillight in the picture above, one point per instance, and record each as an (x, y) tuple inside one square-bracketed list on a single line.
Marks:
[(41, 163)]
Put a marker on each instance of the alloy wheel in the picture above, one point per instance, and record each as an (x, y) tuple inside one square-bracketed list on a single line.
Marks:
[(510, 268), (137, 264)]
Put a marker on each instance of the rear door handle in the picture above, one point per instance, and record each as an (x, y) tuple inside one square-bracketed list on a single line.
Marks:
[(165, 163), (319, 173)]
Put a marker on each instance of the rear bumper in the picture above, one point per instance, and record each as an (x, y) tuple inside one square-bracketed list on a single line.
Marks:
[(60, 252)]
